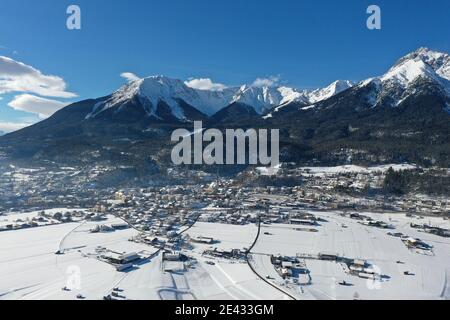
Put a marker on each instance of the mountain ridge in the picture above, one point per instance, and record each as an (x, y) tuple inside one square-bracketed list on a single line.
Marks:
[(402, 115), (151, 91)]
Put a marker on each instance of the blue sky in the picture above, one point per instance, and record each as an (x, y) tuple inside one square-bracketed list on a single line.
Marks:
[(307, 44)]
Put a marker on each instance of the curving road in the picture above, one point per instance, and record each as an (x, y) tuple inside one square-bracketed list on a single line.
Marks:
[(248, 253)]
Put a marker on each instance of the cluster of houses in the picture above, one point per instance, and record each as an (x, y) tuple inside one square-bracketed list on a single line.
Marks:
[(343, 189), (43, 218), (104, 228), (414, 243), (153, 213), (410, 242), (361, 269), (121, 261), (304, 219), (234, 216), (173, 261), (43, 188), (233, 254), (203, 240), (291, 267), (367, 221), (445, 233)]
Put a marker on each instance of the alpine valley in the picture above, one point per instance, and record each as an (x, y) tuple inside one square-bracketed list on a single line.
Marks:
[(401, 116)]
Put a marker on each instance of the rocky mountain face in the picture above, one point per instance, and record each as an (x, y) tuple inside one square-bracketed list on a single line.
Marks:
[(169, 100), (400, 116)]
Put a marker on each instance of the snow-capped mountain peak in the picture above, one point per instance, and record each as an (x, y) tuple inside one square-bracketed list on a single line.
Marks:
[(420, 63), (262, 99), (438, 61), (408, 71), (332, 90), (400, 82), (309, 97), (151, 91)]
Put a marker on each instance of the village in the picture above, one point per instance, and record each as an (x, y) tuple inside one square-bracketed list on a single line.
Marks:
[(220, 230)]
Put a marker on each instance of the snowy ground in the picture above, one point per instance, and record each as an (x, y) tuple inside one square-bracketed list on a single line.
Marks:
[(30, 269), (17, 217), (323, 171), (232, 280), (229, 236), (431, 273)]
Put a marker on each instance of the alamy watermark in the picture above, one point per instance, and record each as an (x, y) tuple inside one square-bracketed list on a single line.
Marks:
[(237, 146), (374, 20), (73, 278), (375, 283), (73, 21)]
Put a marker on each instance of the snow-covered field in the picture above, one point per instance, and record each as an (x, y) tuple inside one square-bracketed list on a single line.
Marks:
[(231, 280), (348, 238), (229, 236), (16, 218), (30, 269)]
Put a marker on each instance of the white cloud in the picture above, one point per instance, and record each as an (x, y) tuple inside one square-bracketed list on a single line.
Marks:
[(33, 104), (266, 82), (130, 77), (16, 76), (7, 127), (205, 84)]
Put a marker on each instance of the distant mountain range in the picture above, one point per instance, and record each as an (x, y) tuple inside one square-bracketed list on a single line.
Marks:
[(403, 115), (162, 99)]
